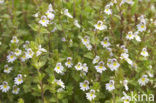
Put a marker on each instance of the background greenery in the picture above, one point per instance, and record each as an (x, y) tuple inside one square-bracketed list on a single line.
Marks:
[(16, 19)]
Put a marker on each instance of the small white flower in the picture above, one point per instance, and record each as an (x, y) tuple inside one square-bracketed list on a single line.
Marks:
[(69, 63), (143, 80), (84, 85), (124, 56), (105, 43), (130, 36), (85, 40), (18, 80), (50, 15), (36, 15), (129, 2), (96, 60), (141, 27), (100, 26), (40, 50), (108, 11), (137, 37), (113, 64), (125, 83), (29, 53), (67, 13), (126, 98), (89, 46), (11, 58), (91, 95), (18, 52), (1, 1), (59, 68), (100, 67), (4, 87), (144, 52), (85, 67), (50, 8), (7, 69), (78, 66), (129, 61), (60, 83), (110, 86), (15, 89), (14, 39), (44, 21), (24, 58), (77, 24)]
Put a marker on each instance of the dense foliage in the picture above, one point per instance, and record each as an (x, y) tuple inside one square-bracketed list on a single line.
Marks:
[(77, 51)]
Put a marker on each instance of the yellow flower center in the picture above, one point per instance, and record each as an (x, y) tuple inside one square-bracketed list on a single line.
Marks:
[(58, 67), (5, 86), (19, 79), (115, 64), (142, 26), (143, 79), (11, 56), (43, 20)]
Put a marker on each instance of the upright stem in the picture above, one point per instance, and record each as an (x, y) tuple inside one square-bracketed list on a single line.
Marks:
[(41, 85), (74, 12), (82, 6)]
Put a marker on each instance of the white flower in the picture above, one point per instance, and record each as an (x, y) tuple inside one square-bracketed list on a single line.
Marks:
[(15, 89), (14, 39), (50, 8), (100, 26), (129, 2), (1, 1), (124, 56), (129, 61), (113, 64), (141, 27), (130, 36), (143, 80), (100, 67), (77, 24), (144, 52), (91, 95), (44, 21), (89, 46), (84, 85), (105, 43), (59, 68), (50, 15), (110, 86), (85, 40), (125, 83), (7, 69), (4, 87), (137, 37), (18, 80), (23, 58), (29, 53), (126, 98), (108, 11), (40, 50), (78, 66), (69, 63), (96, 60), (18, 52), (60, 83), (36, 15), (11, 58), (85, 67), (67, 13)]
